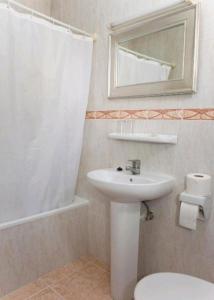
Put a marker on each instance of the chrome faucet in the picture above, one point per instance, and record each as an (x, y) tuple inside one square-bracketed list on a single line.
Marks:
[(135, 167)]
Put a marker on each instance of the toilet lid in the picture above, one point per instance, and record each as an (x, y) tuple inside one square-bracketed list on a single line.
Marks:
[(172, 286)]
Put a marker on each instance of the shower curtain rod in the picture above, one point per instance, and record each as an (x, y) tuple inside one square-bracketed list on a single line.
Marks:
[(140, 55), (50, 19)]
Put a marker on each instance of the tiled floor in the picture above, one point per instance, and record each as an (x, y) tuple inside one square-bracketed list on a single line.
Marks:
[(81, 280)]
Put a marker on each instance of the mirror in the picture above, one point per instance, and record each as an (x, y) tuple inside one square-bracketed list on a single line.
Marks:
[(151, 58), (155, 55)]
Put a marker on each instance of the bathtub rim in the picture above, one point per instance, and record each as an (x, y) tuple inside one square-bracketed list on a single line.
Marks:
[(78, 202)]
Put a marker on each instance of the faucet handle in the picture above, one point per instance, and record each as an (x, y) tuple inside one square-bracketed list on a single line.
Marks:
[(135, 162)]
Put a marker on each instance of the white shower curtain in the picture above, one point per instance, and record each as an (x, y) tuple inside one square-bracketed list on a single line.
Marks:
[(44, 85), (133, 70)]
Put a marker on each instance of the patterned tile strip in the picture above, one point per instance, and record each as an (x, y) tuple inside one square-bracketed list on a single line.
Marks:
[(153, 114)]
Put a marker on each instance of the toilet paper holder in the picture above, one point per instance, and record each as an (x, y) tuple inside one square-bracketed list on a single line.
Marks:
[(204, 203)]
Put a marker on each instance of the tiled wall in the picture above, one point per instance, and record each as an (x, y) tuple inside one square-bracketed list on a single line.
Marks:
[(30, 250), (165, 246), (43, 6), (96, 15)]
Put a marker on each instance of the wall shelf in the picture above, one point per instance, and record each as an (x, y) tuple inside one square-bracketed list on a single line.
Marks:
[(145, 138)]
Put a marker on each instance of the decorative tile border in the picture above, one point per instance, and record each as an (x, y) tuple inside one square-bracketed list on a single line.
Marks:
[(153, 114)]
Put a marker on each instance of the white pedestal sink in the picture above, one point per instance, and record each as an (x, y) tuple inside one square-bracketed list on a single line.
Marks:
[(125, 193)]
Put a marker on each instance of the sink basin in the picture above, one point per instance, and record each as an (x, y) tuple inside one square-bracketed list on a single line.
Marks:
[(124, 187)]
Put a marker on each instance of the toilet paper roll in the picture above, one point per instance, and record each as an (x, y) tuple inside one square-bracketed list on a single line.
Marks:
[(198, 184), (188, 215)]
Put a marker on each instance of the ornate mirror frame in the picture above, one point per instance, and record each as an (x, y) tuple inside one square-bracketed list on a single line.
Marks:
[(186, 13)]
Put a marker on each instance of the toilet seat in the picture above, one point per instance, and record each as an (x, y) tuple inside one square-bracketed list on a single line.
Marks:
[(172, 286)]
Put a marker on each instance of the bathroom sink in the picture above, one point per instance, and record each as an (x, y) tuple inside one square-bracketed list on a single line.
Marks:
[(125, 193), (126, 188)]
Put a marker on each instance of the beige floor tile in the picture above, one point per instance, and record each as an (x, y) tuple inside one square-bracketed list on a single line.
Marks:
[(100, 294), (46, 294), (98, 263), (26, 291), (85, 284), (80, 280), (93, 272), (75, 287), (54, 277), (102, 265), (74, 267)]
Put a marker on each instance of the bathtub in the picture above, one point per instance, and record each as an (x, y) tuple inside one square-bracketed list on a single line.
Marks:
[(35, 245)]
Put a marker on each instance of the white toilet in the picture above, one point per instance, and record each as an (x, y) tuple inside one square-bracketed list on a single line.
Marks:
[(172, 286)]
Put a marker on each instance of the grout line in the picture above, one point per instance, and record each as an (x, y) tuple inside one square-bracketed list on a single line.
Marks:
[(58, 294), (66, 277), (30, 297)]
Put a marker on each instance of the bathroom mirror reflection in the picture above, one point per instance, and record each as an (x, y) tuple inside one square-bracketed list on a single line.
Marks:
[(153, 57), (155, 54)]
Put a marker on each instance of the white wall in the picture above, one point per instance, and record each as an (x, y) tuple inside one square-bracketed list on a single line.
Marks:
[(166, 246), (43, 6), (37, 247), (96, 15)]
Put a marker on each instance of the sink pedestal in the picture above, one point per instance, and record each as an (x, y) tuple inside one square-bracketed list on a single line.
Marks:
[(125, 226)]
